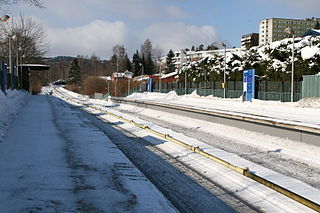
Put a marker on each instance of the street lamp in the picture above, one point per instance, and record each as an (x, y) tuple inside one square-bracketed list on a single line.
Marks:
[(4, 18), (160, 75), (224, 70), (289, 31), (3, 83), (10, 59)]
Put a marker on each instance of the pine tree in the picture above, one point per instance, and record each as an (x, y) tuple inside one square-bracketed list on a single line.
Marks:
[(170, 61), (136, 67), (149, 65), (128, 64), (73, 76), (146, 56)]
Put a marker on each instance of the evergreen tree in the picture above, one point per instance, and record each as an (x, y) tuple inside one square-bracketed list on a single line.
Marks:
[(148, 65), (201, 47), (73, 76), (136, 60), (146, 56), (170, 61), (193, 48), (128, 64)]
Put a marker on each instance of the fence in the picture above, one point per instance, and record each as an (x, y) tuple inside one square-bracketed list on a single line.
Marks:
[(265, 90)]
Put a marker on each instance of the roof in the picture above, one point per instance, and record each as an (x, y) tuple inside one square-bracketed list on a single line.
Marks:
[(312, 32), (35, 66), (169, 75)]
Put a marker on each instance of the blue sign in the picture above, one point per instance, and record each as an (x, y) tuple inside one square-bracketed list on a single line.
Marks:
[(149, 85), (248, 85)]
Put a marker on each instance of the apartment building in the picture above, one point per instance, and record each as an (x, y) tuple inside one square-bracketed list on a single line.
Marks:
[(249, 40), (273, 29)]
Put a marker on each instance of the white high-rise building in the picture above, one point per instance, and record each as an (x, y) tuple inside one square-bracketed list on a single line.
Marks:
[(273, 29)]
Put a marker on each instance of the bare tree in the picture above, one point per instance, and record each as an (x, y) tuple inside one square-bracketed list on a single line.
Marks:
[(29, 37), (119, 57), (37, 3)]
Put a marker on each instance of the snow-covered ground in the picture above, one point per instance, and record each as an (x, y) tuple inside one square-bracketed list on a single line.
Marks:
[(304, 112), (52, 159), (27, 183), (287, 146), (9, 108)]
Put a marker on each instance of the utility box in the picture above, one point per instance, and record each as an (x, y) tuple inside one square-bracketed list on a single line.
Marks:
[(311, 86)]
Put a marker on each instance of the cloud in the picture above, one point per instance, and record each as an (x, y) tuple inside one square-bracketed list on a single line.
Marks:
[(138, 9), (97, 37), (178, 35), (176, 12)]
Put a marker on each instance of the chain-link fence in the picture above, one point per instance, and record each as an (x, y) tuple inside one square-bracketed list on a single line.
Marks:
[(264, 90)]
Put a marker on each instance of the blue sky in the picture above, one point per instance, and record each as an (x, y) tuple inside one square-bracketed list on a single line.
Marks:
[(89, 27)]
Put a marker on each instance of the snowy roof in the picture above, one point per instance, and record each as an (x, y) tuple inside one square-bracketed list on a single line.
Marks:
[(312, 32), (169, 75), (35, 66)]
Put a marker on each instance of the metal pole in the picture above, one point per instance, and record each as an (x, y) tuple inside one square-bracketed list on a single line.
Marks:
[(205, 82), (18, 67), (185, 82), (10, 62), (224, 72), (4, 77), (160, 78), (128, 86), (292, 70)]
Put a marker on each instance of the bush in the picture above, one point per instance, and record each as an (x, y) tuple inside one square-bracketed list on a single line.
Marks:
[(94, 84)]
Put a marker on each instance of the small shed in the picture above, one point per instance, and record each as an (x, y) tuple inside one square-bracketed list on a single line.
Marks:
[(24, 75), (311, 86)]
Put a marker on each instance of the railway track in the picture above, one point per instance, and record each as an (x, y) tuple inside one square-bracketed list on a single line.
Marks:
[(196, 113), (283, 129)]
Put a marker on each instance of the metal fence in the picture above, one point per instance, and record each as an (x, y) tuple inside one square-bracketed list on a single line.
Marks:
[(265, 90)]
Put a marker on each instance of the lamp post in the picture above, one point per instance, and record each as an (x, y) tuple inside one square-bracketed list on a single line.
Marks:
[(160, 72), (142, 73), (4, 18), (289, 31), (11, 60), (183, 56), (224, 69), (18, 71), (3, 68)]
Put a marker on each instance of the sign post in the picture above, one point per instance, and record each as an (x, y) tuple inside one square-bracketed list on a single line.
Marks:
[(248, 85), (149, 89)]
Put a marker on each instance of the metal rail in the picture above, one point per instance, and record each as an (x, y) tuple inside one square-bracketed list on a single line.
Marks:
[(290, 131), (244, 171)]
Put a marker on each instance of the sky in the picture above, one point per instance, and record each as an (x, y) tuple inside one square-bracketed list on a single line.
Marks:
[(82, 27)]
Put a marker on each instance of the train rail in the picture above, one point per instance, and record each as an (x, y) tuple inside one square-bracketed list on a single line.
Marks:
[(196, 113), (291, 130)]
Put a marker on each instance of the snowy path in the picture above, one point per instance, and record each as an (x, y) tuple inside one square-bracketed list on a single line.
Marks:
[(54, 160)]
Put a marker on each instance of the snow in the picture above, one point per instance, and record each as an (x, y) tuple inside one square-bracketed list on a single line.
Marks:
[(24, 157), (309, 52), (169, 75), (305, 152), (304, 112), (53, 160), (254, 193), (9, 108)]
